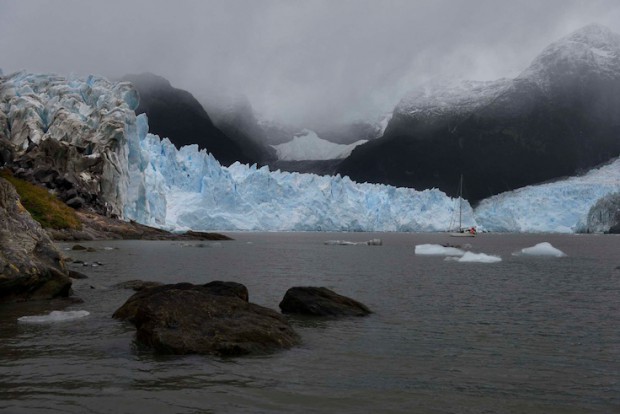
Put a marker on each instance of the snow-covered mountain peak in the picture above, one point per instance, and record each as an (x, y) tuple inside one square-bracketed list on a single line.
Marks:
[(308, 146), (596, 36), (593, 48), (454, 96)]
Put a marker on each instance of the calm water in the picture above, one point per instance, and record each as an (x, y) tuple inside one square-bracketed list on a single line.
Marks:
[(526, 335)]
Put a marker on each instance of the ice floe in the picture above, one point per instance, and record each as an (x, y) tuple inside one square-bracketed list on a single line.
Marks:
[(541, 249), (54, 316), (438, 250), (470, 257)]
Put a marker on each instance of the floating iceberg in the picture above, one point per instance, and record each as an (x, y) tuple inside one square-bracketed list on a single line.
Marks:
[(54, 316), (371, 242), (541, 249), (470, 257), (437, 250)]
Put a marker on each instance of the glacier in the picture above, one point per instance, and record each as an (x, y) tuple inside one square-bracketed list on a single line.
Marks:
[(307, 145), (145, 178), (557, 207), (187, 188)]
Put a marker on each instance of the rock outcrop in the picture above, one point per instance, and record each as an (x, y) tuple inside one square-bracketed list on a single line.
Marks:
[(320, 301), (30, 265), (191, 319)]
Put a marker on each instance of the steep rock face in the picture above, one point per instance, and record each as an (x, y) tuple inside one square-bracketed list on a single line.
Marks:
[(69, 134), (30, 266), (175, 114), (559, 117)]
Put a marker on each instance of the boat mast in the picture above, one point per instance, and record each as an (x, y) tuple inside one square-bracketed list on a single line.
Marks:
[(460, 202)]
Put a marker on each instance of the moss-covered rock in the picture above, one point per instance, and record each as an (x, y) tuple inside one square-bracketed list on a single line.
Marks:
[(31, 267), (43, 206)]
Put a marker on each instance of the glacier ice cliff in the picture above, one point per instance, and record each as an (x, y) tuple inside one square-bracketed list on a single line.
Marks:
[(187, 188), (557, 207), (72, 132)]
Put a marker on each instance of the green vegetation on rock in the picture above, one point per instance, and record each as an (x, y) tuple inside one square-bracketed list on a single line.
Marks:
[(44, 207)]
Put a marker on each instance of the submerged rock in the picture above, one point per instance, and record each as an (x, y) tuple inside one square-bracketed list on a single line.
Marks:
[(190, 319), (31, 267), (320, 301)]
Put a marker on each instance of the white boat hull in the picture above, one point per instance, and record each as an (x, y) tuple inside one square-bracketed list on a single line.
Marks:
[(462, 234)]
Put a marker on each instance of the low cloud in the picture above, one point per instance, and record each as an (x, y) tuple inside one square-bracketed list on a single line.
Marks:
[(305, 62)]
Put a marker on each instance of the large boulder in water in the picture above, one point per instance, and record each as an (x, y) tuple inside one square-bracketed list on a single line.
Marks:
[(192, 319), (30, 265), (320, 301)]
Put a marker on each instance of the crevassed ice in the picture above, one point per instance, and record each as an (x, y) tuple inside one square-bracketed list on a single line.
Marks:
[(189, 189), (558, 207)]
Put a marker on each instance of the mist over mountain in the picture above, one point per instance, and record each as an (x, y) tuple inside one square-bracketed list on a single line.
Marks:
[(175, 113), (238, 122), (289, 147), (561, 116)]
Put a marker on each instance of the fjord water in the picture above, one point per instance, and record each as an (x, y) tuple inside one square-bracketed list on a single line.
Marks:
[(527, 334)]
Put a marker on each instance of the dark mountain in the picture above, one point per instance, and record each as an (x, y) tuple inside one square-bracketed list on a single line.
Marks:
[(238, 122), (348, 133), (175, 114), (561, 116)]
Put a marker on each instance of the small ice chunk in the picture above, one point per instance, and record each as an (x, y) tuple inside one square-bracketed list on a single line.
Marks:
[(541, 249), (470, 257), (437, 250), (54, 316), (372, 242)]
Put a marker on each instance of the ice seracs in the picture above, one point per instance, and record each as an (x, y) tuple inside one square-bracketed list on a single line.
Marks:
[(189, 189), (76, 126)]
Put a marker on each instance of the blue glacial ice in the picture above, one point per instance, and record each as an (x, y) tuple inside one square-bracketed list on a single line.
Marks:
[(556, 207), (188, 189)]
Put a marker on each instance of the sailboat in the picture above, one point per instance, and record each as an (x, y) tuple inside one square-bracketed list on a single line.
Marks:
[(460, 231)]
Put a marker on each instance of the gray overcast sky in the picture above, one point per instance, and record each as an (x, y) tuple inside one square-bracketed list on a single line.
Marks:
[(300, 61)]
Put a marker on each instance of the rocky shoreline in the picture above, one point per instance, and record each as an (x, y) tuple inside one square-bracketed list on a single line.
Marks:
[(31, 265), (98, 227)]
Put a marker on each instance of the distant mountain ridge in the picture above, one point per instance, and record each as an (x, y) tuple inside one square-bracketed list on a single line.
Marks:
[(559, 117)]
